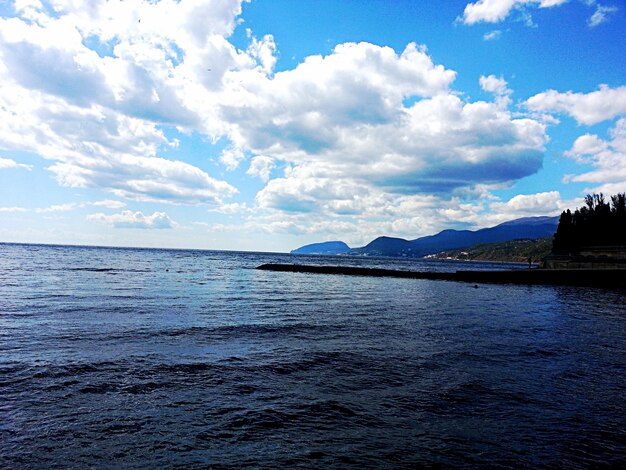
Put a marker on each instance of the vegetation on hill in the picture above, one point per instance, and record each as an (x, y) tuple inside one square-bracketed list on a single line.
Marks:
[(516, 251), (599, 223)]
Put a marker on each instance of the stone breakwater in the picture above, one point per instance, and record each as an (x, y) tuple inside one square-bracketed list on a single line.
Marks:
[(578, 277)]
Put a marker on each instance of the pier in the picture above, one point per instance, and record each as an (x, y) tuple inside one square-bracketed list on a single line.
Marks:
[(537, 276)]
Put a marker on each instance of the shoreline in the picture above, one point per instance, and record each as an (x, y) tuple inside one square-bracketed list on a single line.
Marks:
[(475, 260), (534, 276)]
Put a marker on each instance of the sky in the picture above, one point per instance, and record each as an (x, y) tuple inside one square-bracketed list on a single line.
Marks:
[(270, 124)]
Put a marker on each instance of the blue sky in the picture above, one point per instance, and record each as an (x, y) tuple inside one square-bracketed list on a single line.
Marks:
[(270, 124)]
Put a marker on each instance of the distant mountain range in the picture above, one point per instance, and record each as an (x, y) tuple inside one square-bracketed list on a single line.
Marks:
[(524, 228)]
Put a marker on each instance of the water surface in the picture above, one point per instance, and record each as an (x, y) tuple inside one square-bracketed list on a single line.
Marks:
[(137, 358)]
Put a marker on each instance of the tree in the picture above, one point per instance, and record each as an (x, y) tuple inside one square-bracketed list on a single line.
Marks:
[(598, 223), (563, 238)]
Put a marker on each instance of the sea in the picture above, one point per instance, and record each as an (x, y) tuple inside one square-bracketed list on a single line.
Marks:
[(150, 358)]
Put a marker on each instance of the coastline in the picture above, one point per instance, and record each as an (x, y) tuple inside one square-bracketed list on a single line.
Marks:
[(476, 260)]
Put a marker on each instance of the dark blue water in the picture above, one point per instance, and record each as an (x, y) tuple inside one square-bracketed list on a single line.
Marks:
[(141, 358)]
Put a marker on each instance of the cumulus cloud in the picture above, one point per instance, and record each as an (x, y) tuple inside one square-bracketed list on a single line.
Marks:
[(358, 84), (587, 108), (7, 163), (96, 88), (523, 205), (588, 144), (100, 148), (601, 15), (494, 11), (370, 119), (130, 219), (440, 145), (89, 85), (607, 157), (146, 179), (307, 193)]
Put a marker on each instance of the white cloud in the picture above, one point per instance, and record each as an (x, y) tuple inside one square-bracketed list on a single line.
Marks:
[(586, 145), (494, 11), (301, 192), (524, 205), (58, 208), (55, 208), (439, 145), (231, 158), (95, 89), (264, 51), (109, 204), (483, 214), (13, 209), (601, 15), (96, 147), (586, 108), (88, 85), (7, 163), (130, 219), (66, 207), (607, 157), (357, 84), (492, 35), (146, 179), (497, 86), (261, 166), (370, 119), (493, 84)]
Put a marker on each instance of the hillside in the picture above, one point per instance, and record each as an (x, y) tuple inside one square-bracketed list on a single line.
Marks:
[(325, 248), (511, 251), (525, 228)]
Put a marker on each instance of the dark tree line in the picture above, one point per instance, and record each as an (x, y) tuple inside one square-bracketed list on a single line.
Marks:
[(598, 223)]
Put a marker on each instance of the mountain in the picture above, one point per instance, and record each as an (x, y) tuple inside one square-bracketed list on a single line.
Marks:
[(525, 228), (530, 221), (385, 246), (517, 251), (326, 248)]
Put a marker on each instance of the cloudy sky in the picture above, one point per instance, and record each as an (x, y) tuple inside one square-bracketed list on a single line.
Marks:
[(270, 124)]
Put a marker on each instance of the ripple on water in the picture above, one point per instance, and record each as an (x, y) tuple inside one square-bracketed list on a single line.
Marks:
[(148, 358)]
